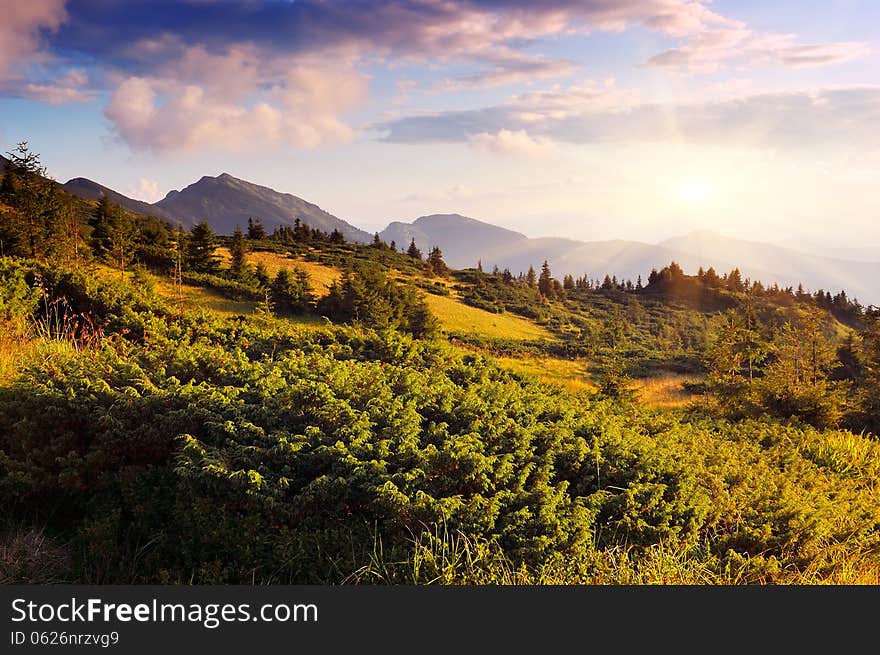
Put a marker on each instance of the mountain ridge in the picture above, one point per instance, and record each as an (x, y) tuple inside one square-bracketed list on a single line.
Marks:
[(226, 201), (628, 259)]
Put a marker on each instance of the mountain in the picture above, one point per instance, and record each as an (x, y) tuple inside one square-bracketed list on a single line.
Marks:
[(226, 202), (785, 266), (464, 241), (85, 188), (860, 253)]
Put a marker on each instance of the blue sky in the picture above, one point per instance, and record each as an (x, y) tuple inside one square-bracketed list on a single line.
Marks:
[(591, 119)]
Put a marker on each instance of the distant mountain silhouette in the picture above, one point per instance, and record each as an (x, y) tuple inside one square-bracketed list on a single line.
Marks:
[(85, 188), (226, 202), (464, 241), (784, 266)]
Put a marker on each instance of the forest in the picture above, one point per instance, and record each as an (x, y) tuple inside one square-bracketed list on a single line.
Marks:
[(182, 407)]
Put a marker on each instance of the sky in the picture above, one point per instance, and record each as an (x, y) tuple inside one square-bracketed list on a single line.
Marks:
[(588, 119)]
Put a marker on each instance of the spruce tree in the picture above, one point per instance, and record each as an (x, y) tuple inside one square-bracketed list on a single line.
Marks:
[(545, 282), (436, 265), (413, 250), (200, 249), (255, 230), (238, 250), (290, 293)]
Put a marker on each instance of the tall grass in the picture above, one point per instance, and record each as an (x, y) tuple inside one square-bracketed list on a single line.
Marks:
[(448, 557)]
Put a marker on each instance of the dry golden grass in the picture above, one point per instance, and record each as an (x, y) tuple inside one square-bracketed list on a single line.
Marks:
[(13, 348), (322, 276), (202, 298), (665, 391), (570, 374), (455, 316)]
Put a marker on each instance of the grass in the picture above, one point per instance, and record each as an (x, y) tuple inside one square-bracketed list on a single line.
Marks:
[(14, 345), (455, 316), (203, 298), (322, 275), (665, 391), (570, 374)]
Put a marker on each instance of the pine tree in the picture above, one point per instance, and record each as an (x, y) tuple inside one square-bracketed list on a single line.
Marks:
[(291, 293), (614, 380), (113, 234), (238, 250), (255, 230), (724, 363), (796, 382), (436, 265), (413, 250), (868, 383), (36, 202), (545, 282), (531, 278), (200, 250), (261, 275)]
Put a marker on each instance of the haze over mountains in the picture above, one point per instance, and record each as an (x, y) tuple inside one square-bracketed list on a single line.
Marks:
[(226, 202)]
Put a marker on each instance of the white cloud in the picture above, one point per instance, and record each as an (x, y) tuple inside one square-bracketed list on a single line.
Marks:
[(72, 87), (146, 190), (511, 72), (512, 142), (452, 193), (302, 110), (710, 50)]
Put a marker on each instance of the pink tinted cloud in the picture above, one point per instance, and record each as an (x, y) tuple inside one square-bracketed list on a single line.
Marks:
[(512, 142), (20, 40)]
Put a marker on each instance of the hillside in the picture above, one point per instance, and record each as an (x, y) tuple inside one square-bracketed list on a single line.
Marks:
[(85, 188), (511, 453), (226, 202), (464, 241)]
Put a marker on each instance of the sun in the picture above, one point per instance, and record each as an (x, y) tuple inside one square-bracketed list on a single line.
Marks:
[(695, 191)]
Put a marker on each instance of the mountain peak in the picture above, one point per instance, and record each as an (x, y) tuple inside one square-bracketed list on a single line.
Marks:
[(227, 202)]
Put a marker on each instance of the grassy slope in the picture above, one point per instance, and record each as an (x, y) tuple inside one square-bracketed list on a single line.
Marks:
[(322, 275), (664, 391), (455, 316)]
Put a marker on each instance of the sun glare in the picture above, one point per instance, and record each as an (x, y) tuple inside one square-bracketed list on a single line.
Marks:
[(695, 191)]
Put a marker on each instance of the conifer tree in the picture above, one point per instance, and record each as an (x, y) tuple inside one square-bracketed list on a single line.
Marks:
[(545, 282), (255, 230), (436, 265), (35, 200), (113, 234), (413, 250), (238, 250), (291, 293), (200, 249)]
